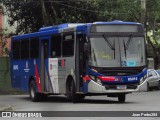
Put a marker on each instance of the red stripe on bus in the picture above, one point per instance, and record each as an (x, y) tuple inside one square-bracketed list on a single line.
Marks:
[(37, 79), (107, 78)]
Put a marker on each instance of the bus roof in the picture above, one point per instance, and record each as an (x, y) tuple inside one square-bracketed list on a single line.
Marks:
[(44, 31)]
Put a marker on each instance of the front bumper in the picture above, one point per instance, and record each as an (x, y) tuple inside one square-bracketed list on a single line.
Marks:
[(94, 87)]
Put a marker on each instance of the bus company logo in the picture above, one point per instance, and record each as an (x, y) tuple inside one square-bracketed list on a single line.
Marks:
[(119, 80), (61, 62), (26, 69), (15, 67)]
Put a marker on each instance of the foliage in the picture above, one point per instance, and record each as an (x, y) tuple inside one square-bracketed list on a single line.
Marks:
[(34, 14), (29, 13), (3, 42)]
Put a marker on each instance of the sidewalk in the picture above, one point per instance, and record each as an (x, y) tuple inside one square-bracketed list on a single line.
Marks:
[(11, 91), (6, 108)]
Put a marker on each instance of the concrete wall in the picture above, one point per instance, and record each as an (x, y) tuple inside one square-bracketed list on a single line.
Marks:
[(5, 73)]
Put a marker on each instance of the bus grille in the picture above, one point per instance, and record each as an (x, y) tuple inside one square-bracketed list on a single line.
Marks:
[(113, 87)]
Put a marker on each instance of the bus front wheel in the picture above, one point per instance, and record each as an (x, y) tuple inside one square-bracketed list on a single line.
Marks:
[(122, 98)]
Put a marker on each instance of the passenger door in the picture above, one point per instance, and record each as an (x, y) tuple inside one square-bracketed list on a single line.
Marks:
[(44, 54), (80, 61)]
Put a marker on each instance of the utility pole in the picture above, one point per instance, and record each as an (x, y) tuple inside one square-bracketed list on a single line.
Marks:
[(143, 11), (144, 17)]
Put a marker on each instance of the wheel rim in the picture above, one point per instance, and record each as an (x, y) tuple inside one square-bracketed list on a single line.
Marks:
[(32, 91)]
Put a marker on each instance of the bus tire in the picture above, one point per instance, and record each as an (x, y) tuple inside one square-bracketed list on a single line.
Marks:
[(158, 87), (35, 97), (76, 98), (71, 92), (68, 90), (148, 89), (74, 95), (122, 98)]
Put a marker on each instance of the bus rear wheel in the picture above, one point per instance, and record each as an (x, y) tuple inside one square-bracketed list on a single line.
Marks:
[(71, 93), (35, 97), (122, 98)]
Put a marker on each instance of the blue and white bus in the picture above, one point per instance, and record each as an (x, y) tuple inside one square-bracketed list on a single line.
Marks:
[(78, 60)]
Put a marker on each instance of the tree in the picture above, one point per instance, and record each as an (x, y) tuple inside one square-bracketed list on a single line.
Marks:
[(153, 18), (3, 42), (34, 14)]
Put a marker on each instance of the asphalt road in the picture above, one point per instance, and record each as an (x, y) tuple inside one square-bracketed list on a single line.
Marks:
[(144, 101)]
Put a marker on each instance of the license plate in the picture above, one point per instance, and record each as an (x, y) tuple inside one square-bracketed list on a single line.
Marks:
[(121, 87)]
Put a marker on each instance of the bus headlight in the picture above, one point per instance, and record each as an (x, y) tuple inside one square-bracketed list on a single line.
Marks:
[(95, 79), (99, 81), (143, 79), (92, 77)]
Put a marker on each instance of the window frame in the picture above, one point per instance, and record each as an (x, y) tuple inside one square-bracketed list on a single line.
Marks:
[(52, 42), (17, 58), (63, 40), (31, 52), (23, 57)]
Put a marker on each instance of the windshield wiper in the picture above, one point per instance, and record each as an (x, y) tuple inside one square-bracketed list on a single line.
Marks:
[(110, 44), (128, 42), (124, 46)]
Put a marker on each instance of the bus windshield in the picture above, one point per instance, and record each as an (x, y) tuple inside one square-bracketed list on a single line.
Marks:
[(117, 51)]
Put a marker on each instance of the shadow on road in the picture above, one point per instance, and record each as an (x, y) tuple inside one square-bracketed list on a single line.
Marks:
[(63, 99)]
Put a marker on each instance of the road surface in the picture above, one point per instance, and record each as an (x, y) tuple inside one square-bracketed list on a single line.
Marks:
[(143, 101)]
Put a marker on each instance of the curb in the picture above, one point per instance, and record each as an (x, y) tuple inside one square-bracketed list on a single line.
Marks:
[(6, 108)]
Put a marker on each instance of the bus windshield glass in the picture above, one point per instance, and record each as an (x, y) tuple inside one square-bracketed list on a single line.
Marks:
[(117, 51)]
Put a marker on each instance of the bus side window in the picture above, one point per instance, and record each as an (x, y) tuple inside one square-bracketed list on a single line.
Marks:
[(68, 45), (34, 48), (16, 49), (55, 46), (25, 49)]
